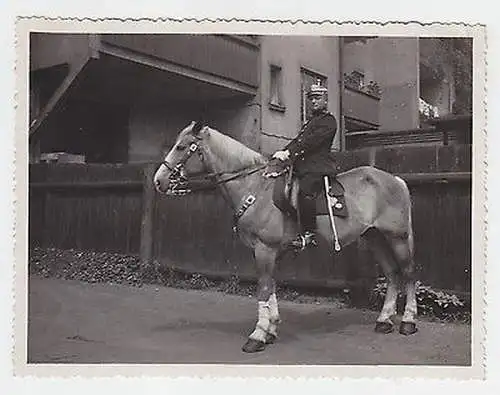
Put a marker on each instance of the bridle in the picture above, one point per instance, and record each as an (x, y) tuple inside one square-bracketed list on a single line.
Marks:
[(181, 184), (178, 180)]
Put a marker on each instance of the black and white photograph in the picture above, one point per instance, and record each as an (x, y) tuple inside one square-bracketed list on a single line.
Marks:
[(224, 199)]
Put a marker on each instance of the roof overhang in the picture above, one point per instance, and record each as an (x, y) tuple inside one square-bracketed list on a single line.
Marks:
[(118, 79)]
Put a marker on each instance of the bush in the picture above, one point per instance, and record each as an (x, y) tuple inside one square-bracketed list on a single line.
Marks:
[(430, 302)]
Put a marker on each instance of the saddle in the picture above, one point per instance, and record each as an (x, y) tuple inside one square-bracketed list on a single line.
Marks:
[(283, 190)]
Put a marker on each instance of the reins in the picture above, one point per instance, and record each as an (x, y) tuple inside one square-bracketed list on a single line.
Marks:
[(198, 184), (183, 185)]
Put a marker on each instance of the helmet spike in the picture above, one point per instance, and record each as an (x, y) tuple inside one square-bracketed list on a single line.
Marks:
[(317, 89)]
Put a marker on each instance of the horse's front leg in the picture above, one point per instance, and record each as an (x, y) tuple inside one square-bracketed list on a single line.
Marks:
[(266, 329)]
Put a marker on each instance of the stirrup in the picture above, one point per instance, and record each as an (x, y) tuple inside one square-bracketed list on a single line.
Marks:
[(304, 241)]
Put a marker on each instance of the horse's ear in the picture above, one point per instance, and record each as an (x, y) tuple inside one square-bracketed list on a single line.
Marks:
[(198, 125)]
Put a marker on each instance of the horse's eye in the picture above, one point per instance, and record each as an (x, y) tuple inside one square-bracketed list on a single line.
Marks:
[(180, 147)]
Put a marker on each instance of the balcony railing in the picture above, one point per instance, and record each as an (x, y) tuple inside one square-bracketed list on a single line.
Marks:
[(219, 55), (443, 131), (361, 107)]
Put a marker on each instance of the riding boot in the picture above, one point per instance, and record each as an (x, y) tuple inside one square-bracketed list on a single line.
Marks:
[(307, 208)]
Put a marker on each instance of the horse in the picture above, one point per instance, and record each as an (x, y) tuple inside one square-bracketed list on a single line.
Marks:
[(378, 203)]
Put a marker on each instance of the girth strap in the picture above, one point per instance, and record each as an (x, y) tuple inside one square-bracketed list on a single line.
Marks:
[(247, 202)]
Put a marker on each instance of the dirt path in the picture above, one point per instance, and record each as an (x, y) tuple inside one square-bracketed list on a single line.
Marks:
[(71, 321)]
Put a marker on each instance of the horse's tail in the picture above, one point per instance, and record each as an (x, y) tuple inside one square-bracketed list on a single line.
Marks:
[(409, 214)]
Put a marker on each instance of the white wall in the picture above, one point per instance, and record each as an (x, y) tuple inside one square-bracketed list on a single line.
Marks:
[(317, 54), (156, 126), (394, 64), (151, 128)]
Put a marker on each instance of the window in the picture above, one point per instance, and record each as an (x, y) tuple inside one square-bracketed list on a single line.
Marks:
[(309, 78), (276, 89)]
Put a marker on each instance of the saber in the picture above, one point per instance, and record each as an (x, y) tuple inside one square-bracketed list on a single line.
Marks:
[(330, 211)]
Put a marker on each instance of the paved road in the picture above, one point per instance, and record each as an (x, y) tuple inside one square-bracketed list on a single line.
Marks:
[(77, 322)]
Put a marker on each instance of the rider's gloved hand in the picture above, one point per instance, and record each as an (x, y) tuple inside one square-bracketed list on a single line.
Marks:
[(278, 164)]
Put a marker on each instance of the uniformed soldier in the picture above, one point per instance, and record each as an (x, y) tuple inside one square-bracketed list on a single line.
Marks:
[(309, 154)]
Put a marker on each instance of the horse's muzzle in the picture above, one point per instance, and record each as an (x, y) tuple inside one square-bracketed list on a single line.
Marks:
[(161, 187), (177, 186)]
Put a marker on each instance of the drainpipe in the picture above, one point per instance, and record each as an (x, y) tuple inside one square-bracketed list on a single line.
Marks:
[(341, 94)]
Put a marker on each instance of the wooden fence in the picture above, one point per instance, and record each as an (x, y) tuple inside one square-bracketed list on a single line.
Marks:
[(95, 207), (114, 208)]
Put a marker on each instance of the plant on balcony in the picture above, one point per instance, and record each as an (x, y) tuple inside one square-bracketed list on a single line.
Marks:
[(355, 81), (427, 112), (456, 55), (373, 89)]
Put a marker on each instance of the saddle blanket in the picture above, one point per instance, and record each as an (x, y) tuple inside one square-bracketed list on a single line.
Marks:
[(336, 192)]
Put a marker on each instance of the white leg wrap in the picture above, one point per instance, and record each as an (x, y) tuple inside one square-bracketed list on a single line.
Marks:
[(411, 302), (262, 326), (389, 308), (274, 318)]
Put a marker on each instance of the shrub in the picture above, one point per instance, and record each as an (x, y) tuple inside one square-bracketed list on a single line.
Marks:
[(430, 302)]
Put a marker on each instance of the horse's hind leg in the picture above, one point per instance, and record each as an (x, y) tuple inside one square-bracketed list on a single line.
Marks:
[(382, 254), (265, 331), (403, 252)]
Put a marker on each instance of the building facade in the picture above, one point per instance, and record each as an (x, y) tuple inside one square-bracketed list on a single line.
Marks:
[(289, 65), (119, 98), (124, 99), (382, 80), (111, 98)]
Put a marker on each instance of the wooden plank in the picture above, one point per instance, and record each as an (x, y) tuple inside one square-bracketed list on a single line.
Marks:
[(81, 211), (445, 177), (389, 132), (147, 225), (103, 221)]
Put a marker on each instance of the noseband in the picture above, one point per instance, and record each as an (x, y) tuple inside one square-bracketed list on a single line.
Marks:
[(177, 180)]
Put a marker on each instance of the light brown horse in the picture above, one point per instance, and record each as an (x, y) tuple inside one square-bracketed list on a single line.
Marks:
[(378, 204)]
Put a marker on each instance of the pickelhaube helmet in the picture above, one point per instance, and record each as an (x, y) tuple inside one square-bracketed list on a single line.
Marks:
[(317, 89)]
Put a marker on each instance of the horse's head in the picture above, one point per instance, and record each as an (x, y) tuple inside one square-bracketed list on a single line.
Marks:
[(171, 175)]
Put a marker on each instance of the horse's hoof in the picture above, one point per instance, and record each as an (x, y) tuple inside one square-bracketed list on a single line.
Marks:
[(270, 338), (408, 328), (253, 346), (384, 327)]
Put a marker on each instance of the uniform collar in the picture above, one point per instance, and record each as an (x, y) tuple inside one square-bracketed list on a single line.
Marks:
[(319, 112)]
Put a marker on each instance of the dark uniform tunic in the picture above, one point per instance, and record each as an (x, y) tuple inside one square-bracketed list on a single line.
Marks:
[(310, 150)]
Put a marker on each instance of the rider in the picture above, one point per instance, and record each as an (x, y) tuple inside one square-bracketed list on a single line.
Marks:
[(308, 153)]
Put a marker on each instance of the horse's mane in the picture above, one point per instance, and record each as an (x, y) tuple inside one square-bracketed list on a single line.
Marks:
[(234, 151)]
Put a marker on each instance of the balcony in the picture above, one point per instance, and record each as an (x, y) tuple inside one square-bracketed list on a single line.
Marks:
[(127, 68), (231, 58), (360, 103), (451, 130)]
